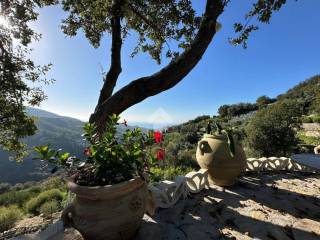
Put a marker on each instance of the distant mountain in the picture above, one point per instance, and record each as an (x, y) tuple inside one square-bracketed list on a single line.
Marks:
[(41, 113), (58, 131), (148, 125)]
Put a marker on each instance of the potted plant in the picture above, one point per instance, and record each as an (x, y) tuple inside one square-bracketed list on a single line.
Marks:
[(110, 187), (220, 153)]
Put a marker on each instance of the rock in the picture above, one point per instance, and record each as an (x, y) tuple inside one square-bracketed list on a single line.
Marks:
[(259, 215), (306, 229), (171, 215), (149, 229)]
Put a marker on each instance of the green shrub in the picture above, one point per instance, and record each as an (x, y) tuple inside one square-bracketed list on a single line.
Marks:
[(17, 197), (53, 182), (8, 217), (50, 207), (187, 158), (169, 173), (272, 131), (34, 204), (20, 194), (310, 140)]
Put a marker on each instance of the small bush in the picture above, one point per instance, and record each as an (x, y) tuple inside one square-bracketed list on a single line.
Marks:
[(49, 208), (34, 204), (187, 158), (8, 217), (16, 197), (54, 182), (169, 173)]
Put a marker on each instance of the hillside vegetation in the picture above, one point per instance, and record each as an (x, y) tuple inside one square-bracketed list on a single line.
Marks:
[(30, 199), (58, 131), (307, 93), (268, 127)]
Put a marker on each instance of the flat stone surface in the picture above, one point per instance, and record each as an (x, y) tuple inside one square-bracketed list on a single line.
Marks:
[(266, 206), (308, 160)]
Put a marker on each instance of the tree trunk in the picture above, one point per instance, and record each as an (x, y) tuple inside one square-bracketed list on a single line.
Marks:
[(166, 78)]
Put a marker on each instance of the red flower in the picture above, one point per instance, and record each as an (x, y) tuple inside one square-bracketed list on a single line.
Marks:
[(125, 123), (157, 136), (161, 154), (86, 151)]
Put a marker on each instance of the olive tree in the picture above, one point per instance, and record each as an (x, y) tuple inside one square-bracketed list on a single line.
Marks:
[(272, 131), (156, 22)]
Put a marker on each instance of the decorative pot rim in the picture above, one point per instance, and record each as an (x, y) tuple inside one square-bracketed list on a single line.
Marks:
[(107, 191), (215, 136)]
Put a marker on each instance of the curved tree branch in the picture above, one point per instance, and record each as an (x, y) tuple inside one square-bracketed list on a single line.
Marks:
[(111, 78), (166, 78)]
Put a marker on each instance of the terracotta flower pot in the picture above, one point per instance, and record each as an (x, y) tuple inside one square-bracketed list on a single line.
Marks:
[(213, 154), (107, 212)]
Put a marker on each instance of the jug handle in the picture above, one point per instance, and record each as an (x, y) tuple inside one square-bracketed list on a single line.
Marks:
[(67, 215), (201, 146)]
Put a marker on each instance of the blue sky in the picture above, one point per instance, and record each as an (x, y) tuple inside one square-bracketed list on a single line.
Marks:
[(279, 56)]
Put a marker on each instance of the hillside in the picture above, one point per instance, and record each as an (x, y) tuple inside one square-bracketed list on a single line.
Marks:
[(58, 131), (307, 92), (182, 139)]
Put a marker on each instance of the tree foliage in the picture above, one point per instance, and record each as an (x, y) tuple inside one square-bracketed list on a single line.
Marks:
[(155, 22), (236, 109), (272, 131), (261, 12), (20, 77), (307, 93), (264, 100)]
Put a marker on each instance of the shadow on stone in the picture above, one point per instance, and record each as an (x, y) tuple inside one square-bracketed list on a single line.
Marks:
[(261, 206)]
